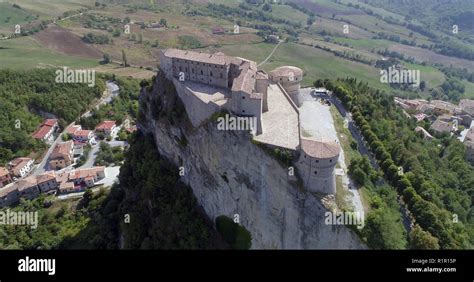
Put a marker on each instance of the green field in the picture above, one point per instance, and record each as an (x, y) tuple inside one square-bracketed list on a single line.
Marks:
[(27, 53), (11, 16)]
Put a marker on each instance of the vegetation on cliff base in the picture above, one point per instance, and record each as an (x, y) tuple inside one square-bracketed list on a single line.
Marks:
[(164, 214), (233, 233)]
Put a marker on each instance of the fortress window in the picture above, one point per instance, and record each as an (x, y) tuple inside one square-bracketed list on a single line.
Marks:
[(192, 70), (211, 73), (330, 161), (243, 111), (317, 161), (315, 172), (202, 72), (243, 97)]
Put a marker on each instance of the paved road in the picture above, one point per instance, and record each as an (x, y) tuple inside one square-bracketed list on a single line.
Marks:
[(109, 94), (43, 165)]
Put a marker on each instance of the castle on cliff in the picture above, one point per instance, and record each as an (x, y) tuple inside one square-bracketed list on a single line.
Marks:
[(209, 83)]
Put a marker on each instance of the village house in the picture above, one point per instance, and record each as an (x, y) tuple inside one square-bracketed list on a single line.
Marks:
[(443, 107), (84, 136), (47, 182), (467, 106), (46, 130), (440, 126), (73, 128), (28, 187), (67, 187), (107, 127), (62, 155), (88, 176), (5, 177), (81, 135), (8, 195), (20, 167)]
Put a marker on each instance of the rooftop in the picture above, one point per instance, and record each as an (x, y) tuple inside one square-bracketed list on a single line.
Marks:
[(47, 176), (106, 124), (3, 172), (8, 189), (286, 71), (321, 149), (62, 149), (217, 59), (50, 122), (26, 183)]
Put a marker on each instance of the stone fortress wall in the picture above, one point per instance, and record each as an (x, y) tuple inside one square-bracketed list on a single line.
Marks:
[(207, 83)]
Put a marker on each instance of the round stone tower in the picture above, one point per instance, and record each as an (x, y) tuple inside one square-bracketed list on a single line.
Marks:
[(290, 79), (317, 163)]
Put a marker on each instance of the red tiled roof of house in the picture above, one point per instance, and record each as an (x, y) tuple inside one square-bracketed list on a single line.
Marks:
[(106, 124), (62, 149), (82, 133), (27, 182), (46, 126), (8, 189), (50, 175), (84, 173), (50, 122), (73, 128), (41, 132), (17, 164)]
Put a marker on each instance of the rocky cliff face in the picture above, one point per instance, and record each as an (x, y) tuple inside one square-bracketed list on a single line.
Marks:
[(230, 175)]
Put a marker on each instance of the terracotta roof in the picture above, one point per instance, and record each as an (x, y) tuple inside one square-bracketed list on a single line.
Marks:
[(42, 132), (8, 189), (50, 175), (62, 149), (217, 59), (45, 128), (17, 164), (320, 149), (73, 128), (286, 71), (50, 122), (84, 173), (83, 133), (245, 81), (3, 172), (27, 182), (66, 185), (106, 124)]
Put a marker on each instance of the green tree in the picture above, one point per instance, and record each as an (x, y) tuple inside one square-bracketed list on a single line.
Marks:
[(422, 240)]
